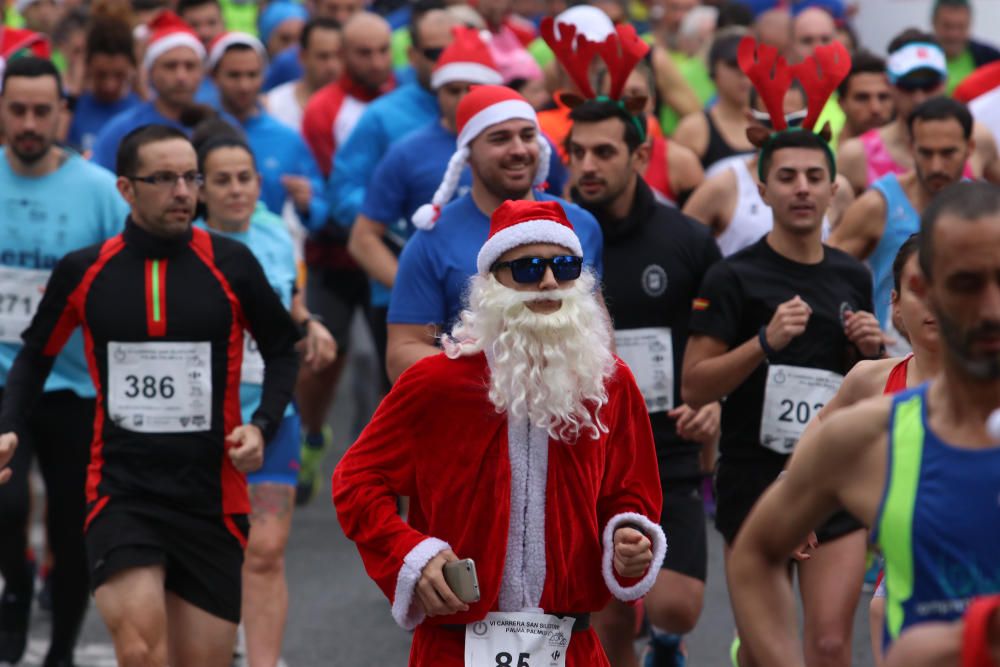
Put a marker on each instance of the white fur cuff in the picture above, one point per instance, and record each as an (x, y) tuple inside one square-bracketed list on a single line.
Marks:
[(659, 540), (405, 610)]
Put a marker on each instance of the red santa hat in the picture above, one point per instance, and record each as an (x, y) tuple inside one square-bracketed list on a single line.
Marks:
[(482, 108), (218, 47), (167, 31), (467, 58), (521, 222), (16, 40)]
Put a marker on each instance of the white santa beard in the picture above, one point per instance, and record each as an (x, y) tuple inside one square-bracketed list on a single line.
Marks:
[(550, 368)]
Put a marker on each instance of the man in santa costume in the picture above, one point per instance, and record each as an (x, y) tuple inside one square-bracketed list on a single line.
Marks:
[(524, 446)]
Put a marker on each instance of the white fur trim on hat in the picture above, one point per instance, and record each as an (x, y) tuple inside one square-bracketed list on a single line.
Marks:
[(655, 535), (407, 614), (219, 46), (523, 233), (467, 72), (494, 114), (175, 39)]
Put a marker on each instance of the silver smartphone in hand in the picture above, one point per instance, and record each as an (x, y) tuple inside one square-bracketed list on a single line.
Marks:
[(460, 575)]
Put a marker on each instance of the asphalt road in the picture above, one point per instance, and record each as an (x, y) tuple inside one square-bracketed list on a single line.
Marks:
[(338, 618)]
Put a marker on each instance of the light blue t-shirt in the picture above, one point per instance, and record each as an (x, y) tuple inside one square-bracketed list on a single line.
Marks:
[(269, 241), (436, 265), (901, 222), (43, 219)]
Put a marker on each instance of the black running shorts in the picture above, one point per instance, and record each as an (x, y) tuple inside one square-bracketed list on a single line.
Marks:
[(202, 556)]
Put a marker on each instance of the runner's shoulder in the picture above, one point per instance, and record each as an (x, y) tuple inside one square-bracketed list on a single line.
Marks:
[(867, 379), (856, 428), (840, 261)]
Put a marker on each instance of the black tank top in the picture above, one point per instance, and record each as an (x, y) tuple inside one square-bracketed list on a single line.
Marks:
[(718, 148)]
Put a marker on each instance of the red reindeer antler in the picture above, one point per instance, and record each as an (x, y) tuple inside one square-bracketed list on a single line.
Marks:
[(621, 51), (576, 61), (820, 74), (770, 75)]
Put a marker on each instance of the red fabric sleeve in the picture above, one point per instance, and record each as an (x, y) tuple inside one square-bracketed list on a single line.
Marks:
[(631, 475), (378, 468)]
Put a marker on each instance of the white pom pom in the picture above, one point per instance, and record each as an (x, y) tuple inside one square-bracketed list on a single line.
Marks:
[(993, 425), (425, 217)]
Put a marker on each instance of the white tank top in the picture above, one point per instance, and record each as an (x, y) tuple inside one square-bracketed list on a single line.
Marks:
[(751, 217)]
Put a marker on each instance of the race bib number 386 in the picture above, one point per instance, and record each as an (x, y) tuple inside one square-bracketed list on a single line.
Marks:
[(161, 387), (518, 639), (792, 397)]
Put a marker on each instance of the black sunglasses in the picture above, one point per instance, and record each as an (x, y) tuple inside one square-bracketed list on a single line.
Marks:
[(532, 269), (432, 54)]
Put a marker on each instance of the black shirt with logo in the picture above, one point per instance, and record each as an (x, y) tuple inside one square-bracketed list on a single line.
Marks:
[(654, 261), (741, 293)]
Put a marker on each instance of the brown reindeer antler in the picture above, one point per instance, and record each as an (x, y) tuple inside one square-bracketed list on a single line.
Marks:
[(621, 51), (576, 61), (770, 75), (820, 74)]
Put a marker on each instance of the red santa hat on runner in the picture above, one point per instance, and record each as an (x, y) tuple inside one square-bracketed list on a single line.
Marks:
[(521, 222), (222, 43), (165, 32), (467, 59), (16, 42), (482, 108)]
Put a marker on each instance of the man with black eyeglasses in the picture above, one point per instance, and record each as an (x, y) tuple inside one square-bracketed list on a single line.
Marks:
[(54, 202), (525, 447), (917, 70), (163, 308)]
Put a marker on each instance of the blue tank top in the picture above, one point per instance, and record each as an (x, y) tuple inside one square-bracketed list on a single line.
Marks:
[(901, 221), (939, 522), (269, 241)]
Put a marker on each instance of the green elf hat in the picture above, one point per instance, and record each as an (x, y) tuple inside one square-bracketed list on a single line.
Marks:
[(772, 76)]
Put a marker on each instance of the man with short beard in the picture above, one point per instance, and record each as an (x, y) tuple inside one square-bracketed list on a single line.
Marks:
[(876, 225), (525, 447), (498, 137), (864, 96), (654, 260), (57, 202), (920, 467)]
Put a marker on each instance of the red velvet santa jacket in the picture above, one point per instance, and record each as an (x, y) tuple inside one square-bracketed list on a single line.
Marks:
[(437, 439)]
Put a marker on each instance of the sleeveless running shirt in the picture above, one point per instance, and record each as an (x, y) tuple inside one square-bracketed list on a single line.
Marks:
[(937, 521), (896, 382), (880, 162), (901, 222), (751, 217)]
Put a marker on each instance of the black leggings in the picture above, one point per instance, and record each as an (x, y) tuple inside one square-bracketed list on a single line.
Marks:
[(59, 434)]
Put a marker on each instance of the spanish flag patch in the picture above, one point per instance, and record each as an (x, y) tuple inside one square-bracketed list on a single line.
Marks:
[(700, 304)]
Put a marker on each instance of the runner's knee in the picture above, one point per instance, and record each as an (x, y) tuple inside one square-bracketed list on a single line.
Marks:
[(830, 649), (677, 615), (136, 651), (264, 556)]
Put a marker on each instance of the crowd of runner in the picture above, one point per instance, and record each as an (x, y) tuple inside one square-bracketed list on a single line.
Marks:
[(630, 268)]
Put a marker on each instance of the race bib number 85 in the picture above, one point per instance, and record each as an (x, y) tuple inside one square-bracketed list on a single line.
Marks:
[(521, 639), (792, 397), (162, 387)]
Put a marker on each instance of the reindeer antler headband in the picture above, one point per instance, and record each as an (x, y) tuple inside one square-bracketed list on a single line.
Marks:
[(771, 76), (621, 51)]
